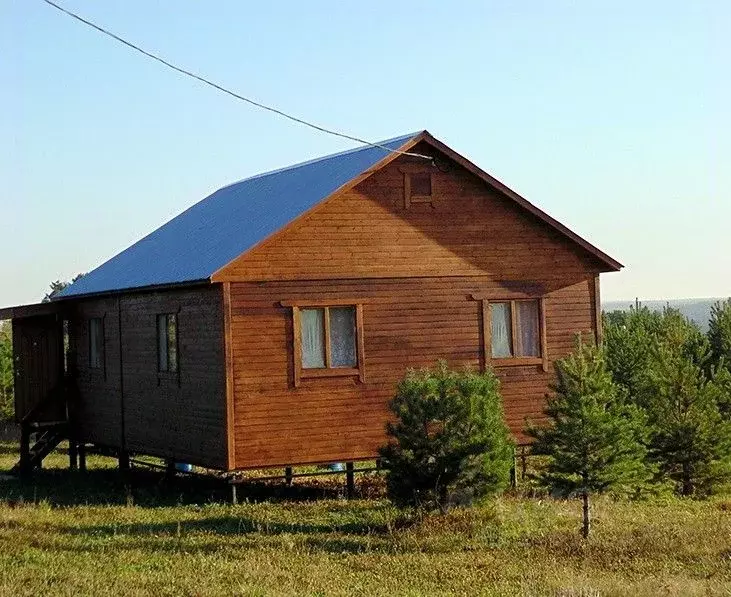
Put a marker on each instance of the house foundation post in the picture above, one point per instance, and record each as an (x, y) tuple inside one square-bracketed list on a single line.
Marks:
[(82, 457), (288, 476), (350, 479), (73, 455), (124, 461), (25, 466)]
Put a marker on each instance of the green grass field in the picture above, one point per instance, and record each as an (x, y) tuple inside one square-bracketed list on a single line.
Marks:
[(80, 534)]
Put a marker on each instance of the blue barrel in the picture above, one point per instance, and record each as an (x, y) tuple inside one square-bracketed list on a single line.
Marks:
[(183, 467), (337, 466)]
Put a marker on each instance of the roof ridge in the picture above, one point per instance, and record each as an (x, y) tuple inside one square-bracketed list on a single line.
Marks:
[(322, 158)]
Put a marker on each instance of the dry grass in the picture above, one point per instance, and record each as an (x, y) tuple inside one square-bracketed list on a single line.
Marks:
[(73, 534)]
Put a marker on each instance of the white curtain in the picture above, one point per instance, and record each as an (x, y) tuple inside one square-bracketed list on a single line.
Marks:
[(342, 337), (528, 323), (501, 330), (313, 338)]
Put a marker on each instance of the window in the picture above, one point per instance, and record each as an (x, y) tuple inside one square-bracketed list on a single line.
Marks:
[(328, 337), (328, 340), (96, 342), (417, 187), (167, 343), (515, 329)]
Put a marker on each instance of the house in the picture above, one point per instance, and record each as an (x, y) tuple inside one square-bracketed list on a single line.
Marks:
[(267, 325)]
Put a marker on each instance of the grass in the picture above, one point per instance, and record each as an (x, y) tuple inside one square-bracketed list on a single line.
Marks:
[(76, 534)]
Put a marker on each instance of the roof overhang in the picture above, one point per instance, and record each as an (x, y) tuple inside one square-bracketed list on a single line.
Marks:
[(23, 311)]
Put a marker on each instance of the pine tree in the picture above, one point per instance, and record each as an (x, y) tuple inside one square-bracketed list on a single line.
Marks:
[(449, 442), (719, 334), (593, 438), (690, 437)]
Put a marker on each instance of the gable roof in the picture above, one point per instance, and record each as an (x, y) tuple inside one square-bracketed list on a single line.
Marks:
[(204, 238)]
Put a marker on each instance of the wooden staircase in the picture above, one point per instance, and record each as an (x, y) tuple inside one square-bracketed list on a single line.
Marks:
[(47, 437), (47, 434)]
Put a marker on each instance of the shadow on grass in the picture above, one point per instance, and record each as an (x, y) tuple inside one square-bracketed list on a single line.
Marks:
[(151, 489)]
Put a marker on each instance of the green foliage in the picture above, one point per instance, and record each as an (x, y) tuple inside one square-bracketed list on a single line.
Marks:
[(664, 364), (690, 438), (58, 285), (594, 439), (6, 372), (719, 333), (450, 443)]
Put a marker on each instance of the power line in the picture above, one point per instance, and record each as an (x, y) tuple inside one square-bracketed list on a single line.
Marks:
[(228, 91)]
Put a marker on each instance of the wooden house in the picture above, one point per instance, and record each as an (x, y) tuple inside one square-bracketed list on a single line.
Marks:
[(267, 325)]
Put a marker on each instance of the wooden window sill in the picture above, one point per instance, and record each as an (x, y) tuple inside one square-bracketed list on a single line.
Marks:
[(333, 372), (516, 361)]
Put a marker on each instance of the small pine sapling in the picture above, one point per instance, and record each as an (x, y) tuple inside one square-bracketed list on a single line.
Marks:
[(449, 442), (593, 439)]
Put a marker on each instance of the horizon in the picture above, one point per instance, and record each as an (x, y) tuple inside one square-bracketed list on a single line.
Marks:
[(608, 120)]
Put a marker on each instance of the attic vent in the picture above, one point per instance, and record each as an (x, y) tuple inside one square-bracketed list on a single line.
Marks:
[(417, 188)]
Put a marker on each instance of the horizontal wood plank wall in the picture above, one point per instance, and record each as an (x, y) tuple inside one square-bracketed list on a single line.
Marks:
[(184, 419), (98, 412), (468, 229), (407, 323)]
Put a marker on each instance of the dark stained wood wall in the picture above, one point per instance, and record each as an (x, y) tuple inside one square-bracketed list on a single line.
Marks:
[(98, 414), (415, 270), (181, 417)]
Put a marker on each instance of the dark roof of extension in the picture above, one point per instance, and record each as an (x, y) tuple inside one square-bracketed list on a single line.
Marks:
[(204, 238)]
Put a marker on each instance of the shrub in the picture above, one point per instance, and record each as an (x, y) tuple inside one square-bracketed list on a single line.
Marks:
[(449, 443), (594, 439)]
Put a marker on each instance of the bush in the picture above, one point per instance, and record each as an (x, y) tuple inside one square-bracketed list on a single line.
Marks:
[(449, 443)]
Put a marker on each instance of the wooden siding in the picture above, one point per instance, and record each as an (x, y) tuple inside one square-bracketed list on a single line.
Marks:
[(407, 323), (468, 229), (98, 415), (181, 416), (415, 270)]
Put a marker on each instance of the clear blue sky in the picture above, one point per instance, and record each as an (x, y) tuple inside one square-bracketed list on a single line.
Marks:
[(611, 116)]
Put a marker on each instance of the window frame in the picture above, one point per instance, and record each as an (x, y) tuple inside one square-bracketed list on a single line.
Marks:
[(101, 347), (302, 373), (168, 371), (409, 197), (513, 361)]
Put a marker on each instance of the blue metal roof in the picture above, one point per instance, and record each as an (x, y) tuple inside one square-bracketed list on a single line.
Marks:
[(195, 244)]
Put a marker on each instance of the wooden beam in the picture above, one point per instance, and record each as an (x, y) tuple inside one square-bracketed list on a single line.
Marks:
[(349, 302), (544, 335), (230, 379), (328, 347), (598, 330), (361, 342), (486, 334), (297, 348), (22, 311)]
